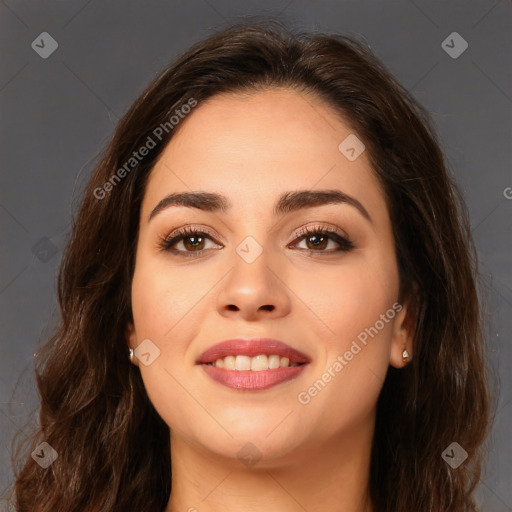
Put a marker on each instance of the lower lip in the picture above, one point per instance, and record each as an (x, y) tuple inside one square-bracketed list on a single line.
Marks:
[(248, 380)]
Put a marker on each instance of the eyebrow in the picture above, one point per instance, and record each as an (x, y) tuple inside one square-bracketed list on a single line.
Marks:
[(287, 202)]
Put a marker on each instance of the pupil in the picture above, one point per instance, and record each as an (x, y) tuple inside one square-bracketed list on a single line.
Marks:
[(198, 241), (318, 240)]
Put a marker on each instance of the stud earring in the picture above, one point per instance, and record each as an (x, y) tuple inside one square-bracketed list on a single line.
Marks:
[(130, 354), (405, 355)]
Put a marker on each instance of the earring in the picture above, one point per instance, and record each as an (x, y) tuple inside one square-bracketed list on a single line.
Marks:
[(405, 355), (130, 354)]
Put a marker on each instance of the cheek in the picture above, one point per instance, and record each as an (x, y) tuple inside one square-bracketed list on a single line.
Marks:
[(355, 305), (160, 304), (354, 360), (162, 298), (344, 300), (172, 393)]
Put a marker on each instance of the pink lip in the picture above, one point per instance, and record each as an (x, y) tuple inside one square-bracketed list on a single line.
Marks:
[(252, 380), (251, 347)]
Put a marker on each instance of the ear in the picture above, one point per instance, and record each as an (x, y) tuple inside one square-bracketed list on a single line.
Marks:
[(402, 337), (131, 337)]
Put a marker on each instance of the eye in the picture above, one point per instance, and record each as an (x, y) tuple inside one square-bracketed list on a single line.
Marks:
[(191, 240), (317, 240)]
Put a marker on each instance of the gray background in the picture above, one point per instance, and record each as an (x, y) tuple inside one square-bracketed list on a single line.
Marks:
[(57, 114)]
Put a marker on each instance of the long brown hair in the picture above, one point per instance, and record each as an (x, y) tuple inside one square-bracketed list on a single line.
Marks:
[(94, 407)]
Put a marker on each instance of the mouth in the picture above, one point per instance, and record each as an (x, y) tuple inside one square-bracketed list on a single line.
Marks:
[(252, 364)]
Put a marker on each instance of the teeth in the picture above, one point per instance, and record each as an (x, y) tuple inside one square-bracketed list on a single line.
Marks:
[(256, 364), (273, 362), (242, 363), (229, 362), (259, 363)]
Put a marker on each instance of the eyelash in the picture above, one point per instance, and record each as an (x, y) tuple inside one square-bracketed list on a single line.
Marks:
[(345, 244)]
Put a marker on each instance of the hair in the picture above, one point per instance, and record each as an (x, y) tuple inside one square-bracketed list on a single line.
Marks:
[(113, 447)]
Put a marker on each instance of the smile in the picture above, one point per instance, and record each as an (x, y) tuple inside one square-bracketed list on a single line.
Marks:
[(256, 364), (251, 365)]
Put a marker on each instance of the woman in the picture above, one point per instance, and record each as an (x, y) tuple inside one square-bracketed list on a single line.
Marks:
[(268, 299)]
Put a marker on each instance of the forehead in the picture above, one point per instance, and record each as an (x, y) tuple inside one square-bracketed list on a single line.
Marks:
[(252, 147)]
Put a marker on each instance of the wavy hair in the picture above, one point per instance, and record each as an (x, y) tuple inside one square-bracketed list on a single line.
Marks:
[(113, 447)]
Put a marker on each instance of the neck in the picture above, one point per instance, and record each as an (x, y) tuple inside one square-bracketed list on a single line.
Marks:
[(332, 477)]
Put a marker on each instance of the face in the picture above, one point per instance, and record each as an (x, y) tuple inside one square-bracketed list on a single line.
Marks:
[(319, 274)]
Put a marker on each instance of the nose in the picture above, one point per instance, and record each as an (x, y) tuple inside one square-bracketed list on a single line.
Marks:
[(254, 291)]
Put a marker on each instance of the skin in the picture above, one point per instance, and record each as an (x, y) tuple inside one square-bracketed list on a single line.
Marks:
[(315, 456)]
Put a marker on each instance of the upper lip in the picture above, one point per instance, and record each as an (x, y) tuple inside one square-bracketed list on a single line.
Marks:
[(251, 347)]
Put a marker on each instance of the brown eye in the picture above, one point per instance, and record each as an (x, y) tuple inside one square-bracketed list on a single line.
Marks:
[(318, 240), (194, 243), (186, 242)]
